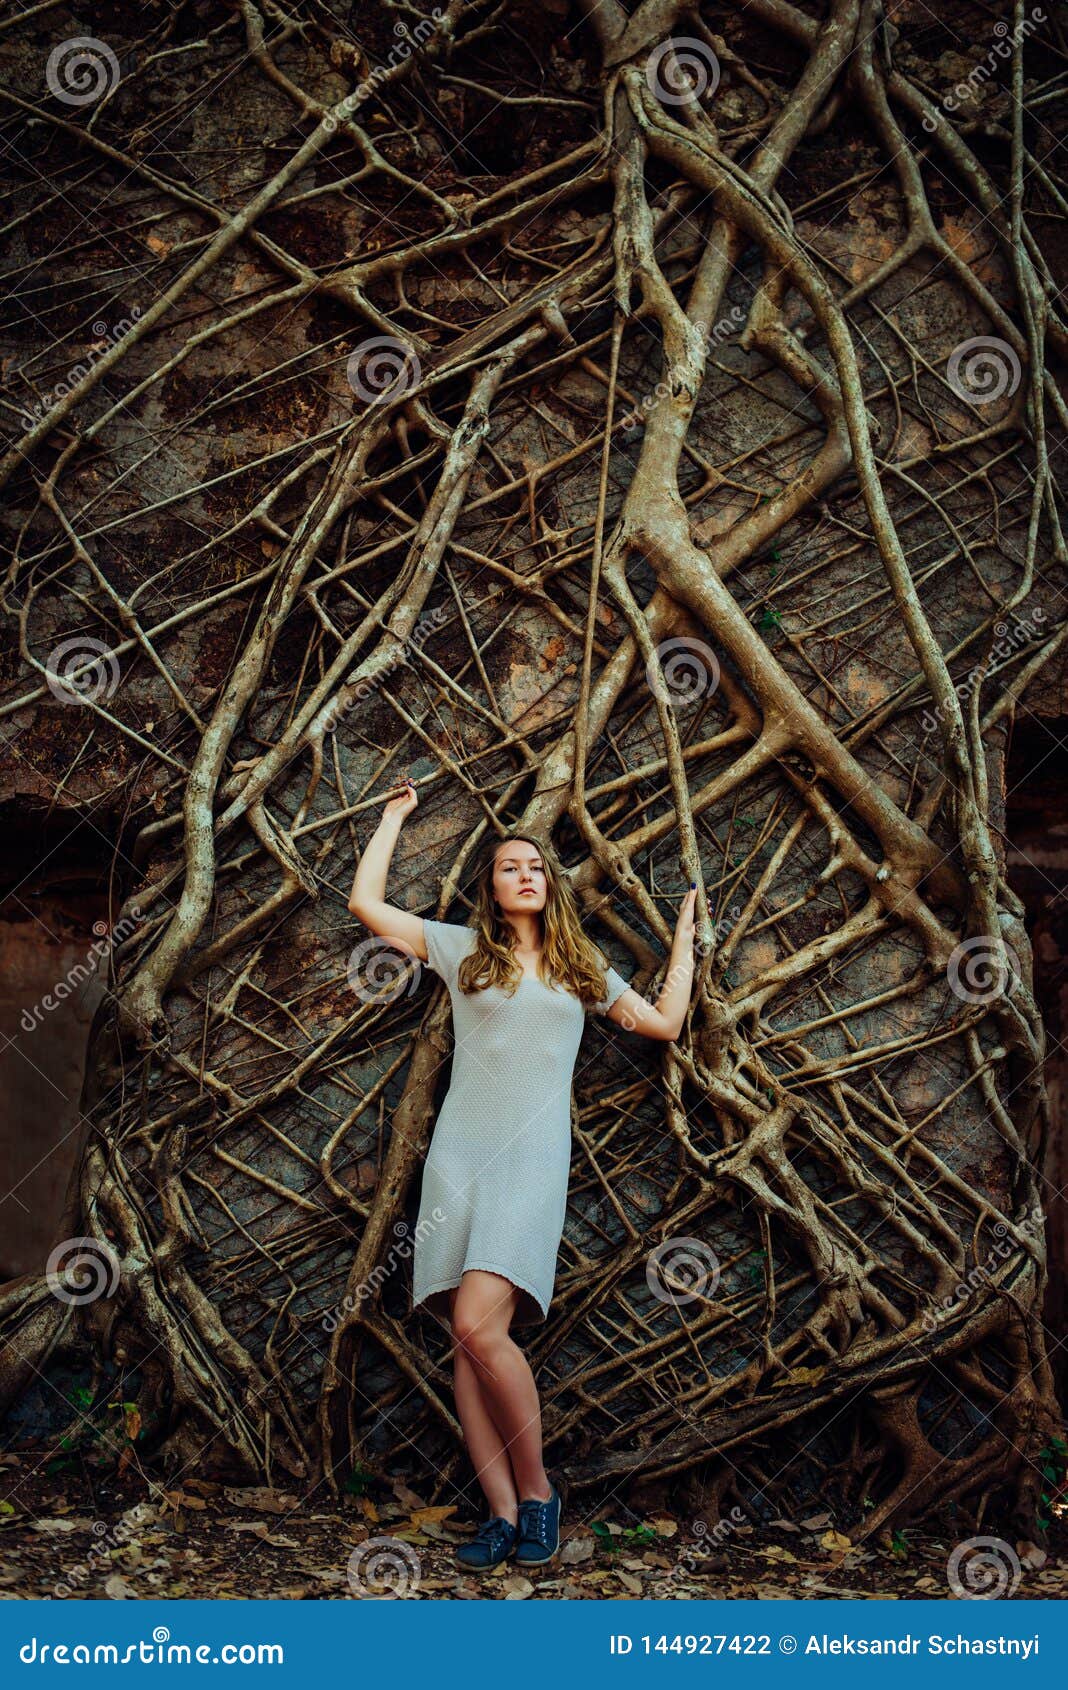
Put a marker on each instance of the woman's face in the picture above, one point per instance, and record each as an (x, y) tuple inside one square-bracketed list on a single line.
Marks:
[(519, 881)]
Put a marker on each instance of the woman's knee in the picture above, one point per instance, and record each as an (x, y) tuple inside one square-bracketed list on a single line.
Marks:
[(479, 1334)]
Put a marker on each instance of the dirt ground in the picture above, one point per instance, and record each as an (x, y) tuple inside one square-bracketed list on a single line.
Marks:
[(73, 1533)]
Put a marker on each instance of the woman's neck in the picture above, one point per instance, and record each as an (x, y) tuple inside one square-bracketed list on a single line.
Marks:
[(527, 935)]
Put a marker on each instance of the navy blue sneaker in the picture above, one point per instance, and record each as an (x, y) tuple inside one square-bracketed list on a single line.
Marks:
[(539, 1530), (491, 1544)]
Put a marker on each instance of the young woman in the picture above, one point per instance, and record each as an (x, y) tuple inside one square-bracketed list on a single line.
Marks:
[(521, 980)]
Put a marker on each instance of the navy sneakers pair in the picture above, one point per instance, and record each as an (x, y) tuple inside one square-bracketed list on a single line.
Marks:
[(535, 1539)]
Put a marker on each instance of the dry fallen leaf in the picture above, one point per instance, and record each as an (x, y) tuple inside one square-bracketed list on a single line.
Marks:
[(260, 1529), (260, 1497), (118, 1589), (406, 1496), (517, 1589), (178, 1499), (800, 1376), (662, 1525), (1031, 1556), (577, 1549), (835, 1540), (814, 1522), (420, 1516)]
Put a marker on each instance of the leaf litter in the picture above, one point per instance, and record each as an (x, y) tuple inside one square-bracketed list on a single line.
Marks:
[(135, 1543)]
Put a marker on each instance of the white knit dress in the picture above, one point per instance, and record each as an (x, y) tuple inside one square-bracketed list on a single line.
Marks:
[(496, 1173)]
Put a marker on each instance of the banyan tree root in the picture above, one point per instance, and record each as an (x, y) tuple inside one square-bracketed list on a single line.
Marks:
[(606, 484)]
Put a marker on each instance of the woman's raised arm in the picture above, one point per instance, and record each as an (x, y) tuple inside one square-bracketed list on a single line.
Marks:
[(367, 900), (666, 1018)]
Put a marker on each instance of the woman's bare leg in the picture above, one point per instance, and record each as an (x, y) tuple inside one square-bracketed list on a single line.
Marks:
[(493, 1469), (482, 1312)]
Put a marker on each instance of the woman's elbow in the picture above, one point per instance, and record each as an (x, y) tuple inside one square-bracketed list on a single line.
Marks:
[(665, 1032)]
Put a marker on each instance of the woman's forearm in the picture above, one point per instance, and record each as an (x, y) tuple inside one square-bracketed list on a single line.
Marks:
[(674, 998), (369, 886)]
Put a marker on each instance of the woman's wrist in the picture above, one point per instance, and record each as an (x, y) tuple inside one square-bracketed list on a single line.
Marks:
[(682, 946)]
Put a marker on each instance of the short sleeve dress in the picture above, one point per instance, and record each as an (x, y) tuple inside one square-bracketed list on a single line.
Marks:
[(496, 1173)]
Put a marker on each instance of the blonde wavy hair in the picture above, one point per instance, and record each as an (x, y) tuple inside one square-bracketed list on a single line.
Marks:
[(568, 958)]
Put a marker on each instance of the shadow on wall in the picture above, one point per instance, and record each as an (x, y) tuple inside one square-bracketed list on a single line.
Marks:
[(53, 966)]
